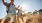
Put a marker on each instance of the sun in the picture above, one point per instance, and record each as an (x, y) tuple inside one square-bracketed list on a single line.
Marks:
[(24, 7)]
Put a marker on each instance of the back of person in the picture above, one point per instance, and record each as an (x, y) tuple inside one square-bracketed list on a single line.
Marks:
[(19, 12)]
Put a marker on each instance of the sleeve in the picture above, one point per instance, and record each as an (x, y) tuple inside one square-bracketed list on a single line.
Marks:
[(6, 4)]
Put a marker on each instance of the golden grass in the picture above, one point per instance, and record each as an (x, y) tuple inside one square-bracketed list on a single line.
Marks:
[(29, 19)]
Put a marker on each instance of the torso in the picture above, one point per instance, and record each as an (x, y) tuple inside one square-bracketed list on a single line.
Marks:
[(12, 9), (19, 12)]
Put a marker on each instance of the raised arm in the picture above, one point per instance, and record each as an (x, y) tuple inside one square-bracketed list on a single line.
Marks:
[(17, 7), (3, 2), (23, 11)]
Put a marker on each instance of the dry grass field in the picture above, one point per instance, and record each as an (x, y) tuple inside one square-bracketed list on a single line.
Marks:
[(30, 19)]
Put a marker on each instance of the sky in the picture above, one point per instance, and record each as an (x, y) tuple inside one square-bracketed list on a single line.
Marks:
[(32, 5)]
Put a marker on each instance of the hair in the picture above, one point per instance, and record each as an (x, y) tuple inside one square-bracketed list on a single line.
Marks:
[(12, 0)]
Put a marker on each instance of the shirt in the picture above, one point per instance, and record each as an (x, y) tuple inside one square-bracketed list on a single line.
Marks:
[(19, 12), (11, 8)]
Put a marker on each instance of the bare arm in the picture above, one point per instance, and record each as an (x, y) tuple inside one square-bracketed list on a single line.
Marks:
[(17, 8), (3, 2), (23, 11)]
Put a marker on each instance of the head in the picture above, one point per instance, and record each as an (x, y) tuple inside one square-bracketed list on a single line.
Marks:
[(12, 1)]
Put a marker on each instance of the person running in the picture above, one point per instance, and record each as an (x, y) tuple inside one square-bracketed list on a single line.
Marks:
[(11, 12), (20, 14)]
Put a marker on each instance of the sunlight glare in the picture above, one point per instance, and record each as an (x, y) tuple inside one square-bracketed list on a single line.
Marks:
[(24, 7)]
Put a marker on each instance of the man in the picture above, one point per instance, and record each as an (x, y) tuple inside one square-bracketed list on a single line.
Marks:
[(20, 15), (11, 11)]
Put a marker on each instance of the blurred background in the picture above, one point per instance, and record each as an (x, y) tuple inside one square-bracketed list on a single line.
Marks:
[(27, 5)]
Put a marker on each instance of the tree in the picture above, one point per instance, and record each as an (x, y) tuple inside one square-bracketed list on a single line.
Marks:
[(40, 11), (35, 12)]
